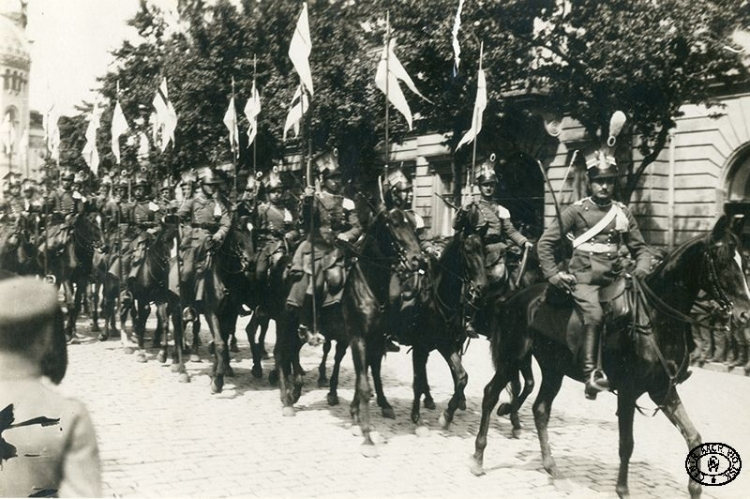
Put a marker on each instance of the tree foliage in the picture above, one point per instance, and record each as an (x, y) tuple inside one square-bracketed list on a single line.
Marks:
[(588, 57)]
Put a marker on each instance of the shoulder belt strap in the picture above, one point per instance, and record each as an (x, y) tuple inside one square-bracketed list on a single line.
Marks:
[(596, 229)]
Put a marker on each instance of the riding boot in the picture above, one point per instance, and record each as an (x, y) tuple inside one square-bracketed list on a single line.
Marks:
[(594, 377)]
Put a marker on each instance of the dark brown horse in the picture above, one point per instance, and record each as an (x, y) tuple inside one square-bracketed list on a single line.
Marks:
[(647, 352), (228, 279), (361, 320), (72, 262)]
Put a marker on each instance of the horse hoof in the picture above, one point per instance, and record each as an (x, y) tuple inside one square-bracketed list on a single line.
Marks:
[(273, 377), (161, 357), (94, 328), (141, 358), (622, 491), (233, 347), (429, 404), (175, 368), (128, 350), (388, 413), (462, 405), (322, 382), (516, 433), (194, 358), (288, 411), (183, 378), (476, 468), (422, 431), (369, 450), (103, 336), (332, 399), (216, 386), (444, 422), (550, 467), (257, 372), (503, 410), (229, 372)]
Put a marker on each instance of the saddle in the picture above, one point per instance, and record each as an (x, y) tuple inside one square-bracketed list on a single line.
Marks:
[(557, 307), (328, 281)]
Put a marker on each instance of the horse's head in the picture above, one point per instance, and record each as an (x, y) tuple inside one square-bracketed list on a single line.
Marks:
[(396, 238), (87, 235), (723, 277), (464, 259)]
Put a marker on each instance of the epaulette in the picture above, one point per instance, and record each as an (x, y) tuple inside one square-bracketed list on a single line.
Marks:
[(580, 201), (502, 212), (348, 204), (620, 205)]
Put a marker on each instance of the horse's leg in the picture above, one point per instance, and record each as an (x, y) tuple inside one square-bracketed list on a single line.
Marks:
[(228, 324), (140, 327), (489, 401), (174, 312), (341, 346), (322, 378), (625, 413), (94, 305), (517, 399), (161, 335), (363, 394), (375, 360), (255, 348), (419, 358), (671, 405), (265, 319), (551, 382), (220, 352), (287, 343), (460, 379)]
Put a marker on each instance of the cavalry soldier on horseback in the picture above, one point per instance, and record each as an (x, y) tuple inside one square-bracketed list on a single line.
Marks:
[(277, 230), (144, 217), (334, 219), (208, 222), (400, 194), (599, 225), (167, 202), (12, 206), (496, 228), (64, 204)]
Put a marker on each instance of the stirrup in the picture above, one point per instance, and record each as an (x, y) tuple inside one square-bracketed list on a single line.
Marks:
[(595, 384), (390, 345), (188, 314)]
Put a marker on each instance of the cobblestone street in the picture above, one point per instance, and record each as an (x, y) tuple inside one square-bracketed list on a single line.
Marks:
[(162, 438)]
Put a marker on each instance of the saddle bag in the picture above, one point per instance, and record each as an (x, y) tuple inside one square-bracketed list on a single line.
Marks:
[(617, 300)]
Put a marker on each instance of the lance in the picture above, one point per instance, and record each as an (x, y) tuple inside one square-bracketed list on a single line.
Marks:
[(470, 175), (235, 148), (310, 183), (387, 150), (255, 139)]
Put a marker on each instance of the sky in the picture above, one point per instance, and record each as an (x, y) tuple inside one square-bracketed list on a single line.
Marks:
[(71, 41)]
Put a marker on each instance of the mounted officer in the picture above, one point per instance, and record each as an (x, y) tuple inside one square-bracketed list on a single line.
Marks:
[(277, 230), (64, 204), (496, 229), (207, 222), (335, 221), (144, 217), (599, 226), (400, 194)]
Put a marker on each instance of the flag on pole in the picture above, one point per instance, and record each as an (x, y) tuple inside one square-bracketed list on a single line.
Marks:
[(165, 117), (119, 127), (89, 152), (52, 132), (298, 106), (456, 46), (230, 121), (299, 49), (252, 110), (476, 120), (389, 63)]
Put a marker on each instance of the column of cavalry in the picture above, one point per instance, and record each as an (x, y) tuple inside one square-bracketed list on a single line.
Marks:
[(368, 276)]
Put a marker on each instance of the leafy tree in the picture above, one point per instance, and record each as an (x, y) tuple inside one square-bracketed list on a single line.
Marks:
[(588, 57)]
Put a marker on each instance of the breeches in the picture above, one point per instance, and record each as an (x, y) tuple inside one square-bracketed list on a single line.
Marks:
[(586, 298)]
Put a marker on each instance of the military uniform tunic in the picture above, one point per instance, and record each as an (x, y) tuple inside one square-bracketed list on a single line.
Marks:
[(595, 262)]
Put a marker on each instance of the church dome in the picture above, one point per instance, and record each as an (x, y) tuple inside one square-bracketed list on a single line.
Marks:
[(14, 48)]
